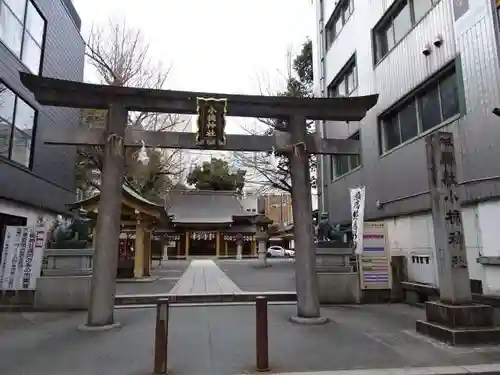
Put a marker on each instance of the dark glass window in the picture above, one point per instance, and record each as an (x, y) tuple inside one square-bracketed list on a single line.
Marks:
[(421, 7), (22, 30), (408, 122), (346, 81), (17, 122), (11, 30), (392, 133), (342, 164), (424, 110), (430, 112), (398, 21), (448, 91), (343, 11), (402, 23)]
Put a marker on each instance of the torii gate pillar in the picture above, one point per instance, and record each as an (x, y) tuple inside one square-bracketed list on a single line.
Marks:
[(308, 308), (103, 285)]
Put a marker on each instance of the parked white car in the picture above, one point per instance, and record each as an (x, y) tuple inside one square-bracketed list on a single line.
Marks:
[(279, 252)]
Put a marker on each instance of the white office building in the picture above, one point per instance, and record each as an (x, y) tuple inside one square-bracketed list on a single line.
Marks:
[(435, 65)]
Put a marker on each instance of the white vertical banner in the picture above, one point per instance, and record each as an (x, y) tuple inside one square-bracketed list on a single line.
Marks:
[(22, 256), (358, 216), (34, 257), (6, 257), (10, 257)]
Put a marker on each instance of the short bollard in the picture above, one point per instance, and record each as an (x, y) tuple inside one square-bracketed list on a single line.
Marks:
[(262, 344), (161, 337)]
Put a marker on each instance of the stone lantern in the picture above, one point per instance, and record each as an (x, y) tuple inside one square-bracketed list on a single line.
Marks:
[(262, 224), (239, 246)]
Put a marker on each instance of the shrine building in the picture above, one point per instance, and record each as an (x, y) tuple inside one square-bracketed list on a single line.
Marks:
[(210, 224)]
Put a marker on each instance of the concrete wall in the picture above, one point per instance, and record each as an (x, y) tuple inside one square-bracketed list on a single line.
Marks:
[(412, 236)]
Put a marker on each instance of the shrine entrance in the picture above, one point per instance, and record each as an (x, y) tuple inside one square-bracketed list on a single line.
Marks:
[(212, 110), (203, 243)]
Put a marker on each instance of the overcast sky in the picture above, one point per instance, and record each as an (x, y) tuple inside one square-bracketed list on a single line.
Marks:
[(213, 45), (224, 46)]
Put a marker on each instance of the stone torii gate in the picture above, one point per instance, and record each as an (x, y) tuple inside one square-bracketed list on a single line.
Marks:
[(211, 109)]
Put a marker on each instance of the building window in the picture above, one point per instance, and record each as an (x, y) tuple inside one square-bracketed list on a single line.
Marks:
[(397, 23), (17, 122), (342, 164), (427, 108), (343, 11), (498, 11), (22, 30), (346, 81)]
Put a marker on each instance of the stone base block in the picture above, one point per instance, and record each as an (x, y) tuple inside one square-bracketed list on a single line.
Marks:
[(368, 296), (456, 316), (107, 327), (459, 324), (62, 293), (309, 321), (338, 288), (459, 336), (144, 279)]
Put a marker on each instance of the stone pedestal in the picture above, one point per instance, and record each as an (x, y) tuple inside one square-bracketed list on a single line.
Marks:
[(164, 256), (239, 250), (337, 281), (262, 251), (459, 324)]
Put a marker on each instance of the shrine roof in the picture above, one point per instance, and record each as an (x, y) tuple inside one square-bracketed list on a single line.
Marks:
[(127, 193), (204, 206)]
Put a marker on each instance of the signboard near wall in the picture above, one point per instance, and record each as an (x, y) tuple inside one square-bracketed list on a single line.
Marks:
[(375, 260), (22, 256)]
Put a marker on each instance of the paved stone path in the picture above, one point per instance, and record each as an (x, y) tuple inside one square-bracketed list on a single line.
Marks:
[(492, 369), (220, 340), (204, 276)]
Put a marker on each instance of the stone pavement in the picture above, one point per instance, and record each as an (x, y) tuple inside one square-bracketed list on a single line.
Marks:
[(204, 277), (279, 277), (221, 341), (168, 274)]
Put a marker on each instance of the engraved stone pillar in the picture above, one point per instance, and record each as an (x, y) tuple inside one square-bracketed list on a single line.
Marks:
[(453, 272), (454, 319)]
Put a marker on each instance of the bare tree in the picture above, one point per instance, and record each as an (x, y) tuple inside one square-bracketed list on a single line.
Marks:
[(298, 83), (121, 57)]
